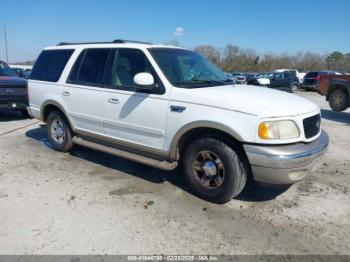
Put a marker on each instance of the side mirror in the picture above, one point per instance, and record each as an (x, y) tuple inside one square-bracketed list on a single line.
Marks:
[(144, 81)]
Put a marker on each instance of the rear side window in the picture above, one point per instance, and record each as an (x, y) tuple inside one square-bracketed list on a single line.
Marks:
[(287, 75), (50, 64), (90, 67)]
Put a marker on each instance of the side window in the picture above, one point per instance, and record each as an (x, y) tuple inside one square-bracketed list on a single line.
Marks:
[(129, 62), (50, 64), (278, 76), (89, 68), (75, 70), (287, 75)]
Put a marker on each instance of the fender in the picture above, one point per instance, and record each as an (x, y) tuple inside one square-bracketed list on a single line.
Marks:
[(54, 103), (173, 154)]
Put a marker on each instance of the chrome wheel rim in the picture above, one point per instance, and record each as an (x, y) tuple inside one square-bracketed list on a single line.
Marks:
[(208, 170), (57, 131)]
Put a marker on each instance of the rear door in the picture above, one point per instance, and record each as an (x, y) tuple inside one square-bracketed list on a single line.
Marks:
[(84, 92)]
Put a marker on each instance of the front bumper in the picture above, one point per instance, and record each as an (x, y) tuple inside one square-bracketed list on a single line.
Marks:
[(286, 164), (19, 103)]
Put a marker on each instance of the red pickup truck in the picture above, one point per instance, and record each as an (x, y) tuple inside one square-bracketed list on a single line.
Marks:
[(336, 88)]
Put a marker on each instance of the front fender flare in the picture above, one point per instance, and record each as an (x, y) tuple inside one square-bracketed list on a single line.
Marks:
[(199, 124)]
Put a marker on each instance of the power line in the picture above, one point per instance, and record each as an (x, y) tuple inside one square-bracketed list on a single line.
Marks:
[(6, 50)]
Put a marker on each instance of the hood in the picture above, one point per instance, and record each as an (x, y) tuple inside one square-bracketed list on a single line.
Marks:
[(6, 81), (254, 100)]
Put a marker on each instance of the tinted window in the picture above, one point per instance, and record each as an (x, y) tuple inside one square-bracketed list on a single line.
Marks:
[(311, 74), (287, 75), (91, 69), (278, 76), (128, 63), (75, 70), (50, 64)]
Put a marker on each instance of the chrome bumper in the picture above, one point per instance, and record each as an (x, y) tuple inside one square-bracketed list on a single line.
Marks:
[(286, 164)]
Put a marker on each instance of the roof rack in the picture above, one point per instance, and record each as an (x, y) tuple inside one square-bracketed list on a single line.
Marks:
[(117, 41)]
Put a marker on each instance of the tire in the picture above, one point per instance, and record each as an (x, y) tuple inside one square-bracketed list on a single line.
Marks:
[(294, 88), (25, 114), (59, 132), (213, 170), (338, 100)]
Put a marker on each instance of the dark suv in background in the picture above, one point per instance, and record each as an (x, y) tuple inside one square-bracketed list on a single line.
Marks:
[(286, 81), (13, 90), (311, 80)]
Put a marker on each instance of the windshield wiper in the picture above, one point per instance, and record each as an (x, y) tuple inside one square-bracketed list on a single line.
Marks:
[(205, 81)]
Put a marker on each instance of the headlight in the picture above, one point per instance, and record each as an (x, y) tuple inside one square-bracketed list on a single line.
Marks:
[(273, 130)]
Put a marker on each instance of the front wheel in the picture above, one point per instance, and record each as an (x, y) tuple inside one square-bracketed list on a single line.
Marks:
[(338, 100), (214, 171), (59, 132)]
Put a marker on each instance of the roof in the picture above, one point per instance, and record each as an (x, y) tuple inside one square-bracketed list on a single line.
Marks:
[(115, 43)]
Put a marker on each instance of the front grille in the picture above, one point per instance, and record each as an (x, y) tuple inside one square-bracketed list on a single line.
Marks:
[(312, 126), (11, 90)]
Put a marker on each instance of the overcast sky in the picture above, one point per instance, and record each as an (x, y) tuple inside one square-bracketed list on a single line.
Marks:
[(266, 26)]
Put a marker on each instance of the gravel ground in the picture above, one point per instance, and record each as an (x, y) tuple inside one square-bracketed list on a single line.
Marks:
[(88, 202)]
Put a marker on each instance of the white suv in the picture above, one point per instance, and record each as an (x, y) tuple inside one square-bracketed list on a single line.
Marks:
[(163, 105)]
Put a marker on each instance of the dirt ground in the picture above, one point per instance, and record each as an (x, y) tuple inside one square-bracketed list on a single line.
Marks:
[(88, 202)]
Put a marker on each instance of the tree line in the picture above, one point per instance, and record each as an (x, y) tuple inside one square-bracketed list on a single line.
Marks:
[(235, 59)]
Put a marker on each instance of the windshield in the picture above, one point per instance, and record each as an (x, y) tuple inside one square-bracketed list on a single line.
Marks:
[(5, 70), (185, 68)]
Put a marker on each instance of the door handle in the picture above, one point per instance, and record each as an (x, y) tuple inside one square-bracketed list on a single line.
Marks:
[(113, 100), (66, 93)]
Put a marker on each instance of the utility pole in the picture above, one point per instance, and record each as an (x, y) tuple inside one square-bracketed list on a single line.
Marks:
[(6, 50)]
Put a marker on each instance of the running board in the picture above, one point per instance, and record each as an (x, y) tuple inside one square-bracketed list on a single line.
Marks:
[(165, 165)]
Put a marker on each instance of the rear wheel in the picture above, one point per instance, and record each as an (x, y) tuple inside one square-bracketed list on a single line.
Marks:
[(294, 88), (338, 100), (213, 170), (59, 132)]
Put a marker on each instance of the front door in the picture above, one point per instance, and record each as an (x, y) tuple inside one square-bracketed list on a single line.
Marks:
[(135, 116), (276, 81)]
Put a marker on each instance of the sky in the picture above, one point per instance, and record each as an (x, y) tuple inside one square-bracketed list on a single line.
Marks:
[(266, 26)]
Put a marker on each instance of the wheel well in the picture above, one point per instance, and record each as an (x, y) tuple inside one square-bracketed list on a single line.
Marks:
[(48, 109), (331, 88), (202, 132)]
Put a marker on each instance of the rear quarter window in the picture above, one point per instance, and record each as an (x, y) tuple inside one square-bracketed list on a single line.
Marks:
[(50, 65)]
